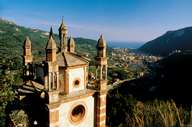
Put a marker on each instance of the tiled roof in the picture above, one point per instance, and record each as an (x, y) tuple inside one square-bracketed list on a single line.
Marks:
[(67, 59)]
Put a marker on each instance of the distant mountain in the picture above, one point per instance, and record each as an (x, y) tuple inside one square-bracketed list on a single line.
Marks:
[(12, 37), (169, 42)]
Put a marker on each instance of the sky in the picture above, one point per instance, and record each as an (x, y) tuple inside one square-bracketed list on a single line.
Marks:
[(117, 20)]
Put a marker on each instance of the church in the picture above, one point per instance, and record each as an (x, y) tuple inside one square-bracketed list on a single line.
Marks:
[(60, 83)]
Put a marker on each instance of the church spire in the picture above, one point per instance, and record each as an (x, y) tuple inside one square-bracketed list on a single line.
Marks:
[(51, 47), (51, 32), (63, 36)]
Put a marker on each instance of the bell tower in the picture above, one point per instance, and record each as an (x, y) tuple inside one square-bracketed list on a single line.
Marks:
[(63, 37), (101, 83)]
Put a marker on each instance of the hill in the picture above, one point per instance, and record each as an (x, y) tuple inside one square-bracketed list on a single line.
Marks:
[(12, 37), (172, 40), (168, 78), (164, 93)]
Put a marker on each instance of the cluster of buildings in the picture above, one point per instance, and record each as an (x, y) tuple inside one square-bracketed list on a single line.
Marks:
[(123, 57)]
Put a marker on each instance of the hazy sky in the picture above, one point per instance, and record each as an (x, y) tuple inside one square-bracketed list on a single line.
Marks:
[(117, 20)]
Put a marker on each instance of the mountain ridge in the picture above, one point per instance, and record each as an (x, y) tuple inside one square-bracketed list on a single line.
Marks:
[(167, 43)]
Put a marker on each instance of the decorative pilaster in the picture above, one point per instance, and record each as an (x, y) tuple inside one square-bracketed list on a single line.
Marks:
[(101, 109), (53, 116)]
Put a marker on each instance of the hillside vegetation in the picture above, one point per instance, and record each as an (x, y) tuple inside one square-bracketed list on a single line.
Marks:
[(172, 40)]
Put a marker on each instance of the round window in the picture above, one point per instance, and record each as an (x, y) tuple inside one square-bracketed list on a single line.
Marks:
[(77, 114)]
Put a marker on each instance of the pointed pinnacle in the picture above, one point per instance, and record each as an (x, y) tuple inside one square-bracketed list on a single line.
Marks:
[(62, 23), (101, 37), (62, 19), (51, 32)]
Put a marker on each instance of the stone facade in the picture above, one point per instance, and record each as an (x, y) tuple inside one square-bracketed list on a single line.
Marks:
[(68, 100)]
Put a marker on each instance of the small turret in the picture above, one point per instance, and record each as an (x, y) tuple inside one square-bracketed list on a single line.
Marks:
[(27, 59), (51, 48), (101, 47), (63, 36), (27, 52), (101, 64), (71, 45)]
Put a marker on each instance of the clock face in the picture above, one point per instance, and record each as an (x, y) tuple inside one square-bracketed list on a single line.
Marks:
[(77, 114)]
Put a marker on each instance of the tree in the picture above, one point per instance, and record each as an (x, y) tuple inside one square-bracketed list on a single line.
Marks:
[(9, 77)]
